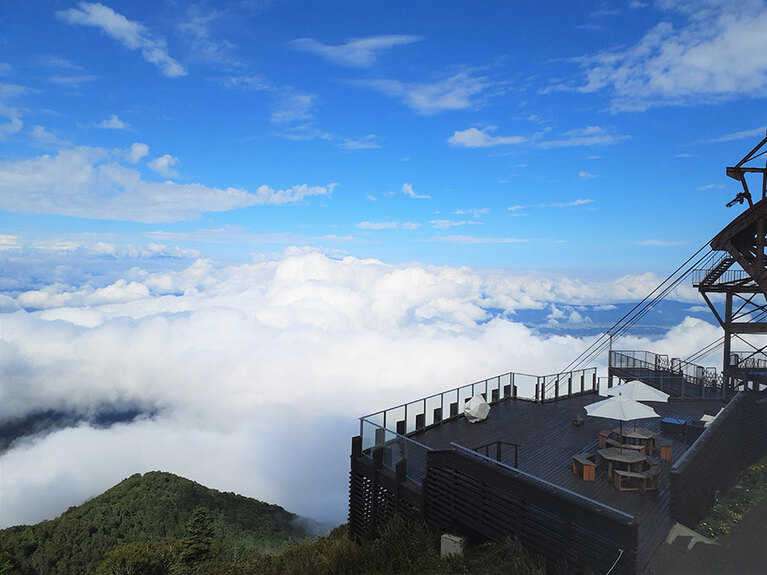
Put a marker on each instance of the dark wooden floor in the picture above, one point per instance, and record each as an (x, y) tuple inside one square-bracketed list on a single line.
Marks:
[(548, 440)]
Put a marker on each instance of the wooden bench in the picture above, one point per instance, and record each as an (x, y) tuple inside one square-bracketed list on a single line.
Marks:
[(585, 466), (627, 480), (652, 478), (633, 481), (604, 435), (614, 443)]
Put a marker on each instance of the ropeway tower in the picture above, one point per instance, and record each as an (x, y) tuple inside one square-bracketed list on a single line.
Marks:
[(739, 276)]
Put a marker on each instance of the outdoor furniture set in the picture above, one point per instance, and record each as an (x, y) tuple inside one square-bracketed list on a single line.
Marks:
[(630, 465)]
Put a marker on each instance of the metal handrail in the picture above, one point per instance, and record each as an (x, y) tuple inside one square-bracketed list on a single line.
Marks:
[(554, 488), (498, 445)]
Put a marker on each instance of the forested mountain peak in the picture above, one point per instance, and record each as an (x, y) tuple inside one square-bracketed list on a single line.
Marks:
[(150, 507)]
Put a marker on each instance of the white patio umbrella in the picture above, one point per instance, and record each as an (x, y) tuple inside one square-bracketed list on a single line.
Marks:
[(638, 391), (620, 408)]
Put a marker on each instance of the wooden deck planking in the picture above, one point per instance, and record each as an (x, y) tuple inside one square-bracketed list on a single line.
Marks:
[(548, 440)]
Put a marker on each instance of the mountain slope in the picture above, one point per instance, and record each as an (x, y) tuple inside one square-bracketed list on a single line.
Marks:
[(147, 507)]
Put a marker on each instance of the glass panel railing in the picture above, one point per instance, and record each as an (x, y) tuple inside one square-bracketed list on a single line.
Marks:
[(395, 417), (505, 385), (416, 415), (394, 448), (525, 385), (434, 409)]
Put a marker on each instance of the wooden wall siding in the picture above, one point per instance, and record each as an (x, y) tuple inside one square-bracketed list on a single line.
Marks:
[(736, 438), (376, 495), (488, 501)]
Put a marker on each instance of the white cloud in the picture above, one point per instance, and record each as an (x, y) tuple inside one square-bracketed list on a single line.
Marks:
[(456, 92), (293, 106), (742, 135), (358, 52), (137, 152), (133, 35), (231, 356), (113, 123), (91, 183), (47, 139), (589, 136), (388, 225), (475, 138), (445, 224), (164, 165), (578, 202), (473, 212), (9, 242), (408, 190), (586, 175), (368, 142), (719, 52), (12, 90), (196, 30), (246, 83), (13, 124)]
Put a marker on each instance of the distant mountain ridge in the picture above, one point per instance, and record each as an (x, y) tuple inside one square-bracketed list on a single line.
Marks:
[(149, 507)]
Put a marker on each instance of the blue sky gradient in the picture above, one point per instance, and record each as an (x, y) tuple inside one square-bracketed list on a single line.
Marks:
[(545, 135)]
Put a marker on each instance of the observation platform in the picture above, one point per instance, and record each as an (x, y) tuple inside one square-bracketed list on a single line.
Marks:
[(548, 440)]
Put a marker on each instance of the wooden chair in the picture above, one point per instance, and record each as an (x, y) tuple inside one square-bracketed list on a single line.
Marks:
[(651, 479), (665, 450), (585, 466)]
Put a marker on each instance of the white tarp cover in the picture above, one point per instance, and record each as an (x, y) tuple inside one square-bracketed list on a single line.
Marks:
[(476, 409)]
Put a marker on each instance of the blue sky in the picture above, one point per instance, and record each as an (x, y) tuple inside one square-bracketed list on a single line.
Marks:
[(251, 220), (543, 135)]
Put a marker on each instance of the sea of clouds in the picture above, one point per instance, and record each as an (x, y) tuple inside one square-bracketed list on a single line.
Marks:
[(252, 376)]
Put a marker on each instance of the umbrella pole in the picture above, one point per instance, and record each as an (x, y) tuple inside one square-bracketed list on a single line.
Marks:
[(621, 425)]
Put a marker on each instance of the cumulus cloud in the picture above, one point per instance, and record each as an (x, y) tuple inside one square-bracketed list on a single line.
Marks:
[(690, 61), (357, 52), (164, 165), (226, 358), (133, 35), (113, 123), (137, 152), (223, 355), (408, 190), (475, 138), (456, 92), (90, 182)]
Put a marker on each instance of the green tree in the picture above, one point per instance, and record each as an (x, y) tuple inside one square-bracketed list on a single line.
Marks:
[(8, 565), (196, 544), (139, 558)]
